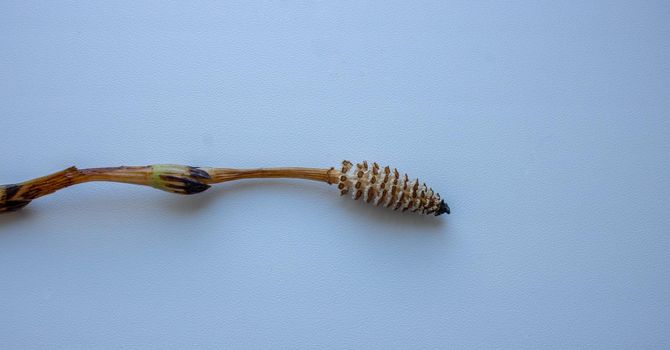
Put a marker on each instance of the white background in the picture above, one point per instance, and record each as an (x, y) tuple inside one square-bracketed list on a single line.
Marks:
[(545, 127)]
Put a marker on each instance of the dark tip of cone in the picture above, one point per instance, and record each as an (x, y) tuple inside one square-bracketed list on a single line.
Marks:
[(444, 208)]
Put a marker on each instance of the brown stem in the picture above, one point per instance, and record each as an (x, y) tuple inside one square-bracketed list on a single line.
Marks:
[(138, 175), (315, 174), (171, 178)]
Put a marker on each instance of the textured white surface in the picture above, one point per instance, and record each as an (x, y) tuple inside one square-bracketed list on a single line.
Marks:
[(544, 126)]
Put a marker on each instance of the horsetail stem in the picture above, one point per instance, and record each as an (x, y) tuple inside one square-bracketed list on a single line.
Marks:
[(375, 186)]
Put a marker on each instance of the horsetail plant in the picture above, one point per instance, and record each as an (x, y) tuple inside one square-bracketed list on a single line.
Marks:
[(374, 185)]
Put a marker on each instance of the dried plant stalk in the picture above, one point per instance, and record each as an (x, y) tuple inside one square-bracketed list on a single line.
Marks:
[(381, 187)]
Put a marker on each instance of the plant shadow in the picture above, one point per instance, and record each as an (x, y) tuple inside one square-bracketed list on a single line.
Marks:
[(12, 218)]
